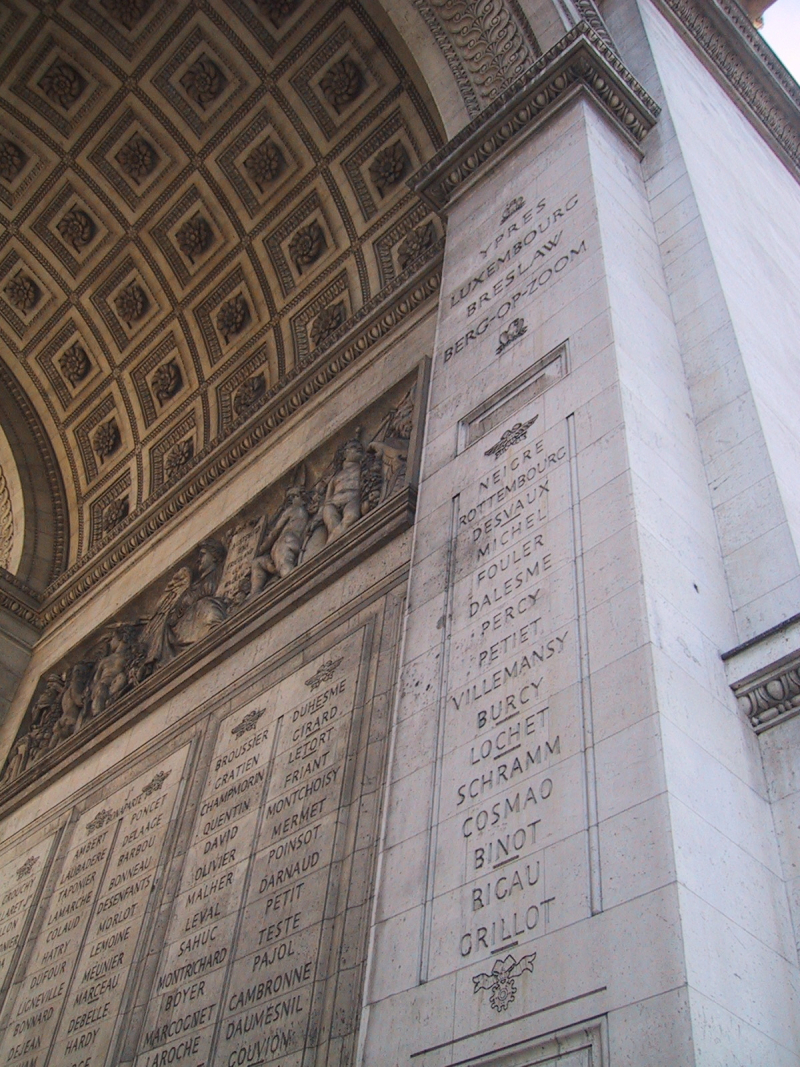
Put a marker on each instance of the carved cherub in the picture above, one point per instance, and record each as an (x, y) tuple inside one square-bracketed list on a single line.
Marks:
[(280, 550), (342, 506)]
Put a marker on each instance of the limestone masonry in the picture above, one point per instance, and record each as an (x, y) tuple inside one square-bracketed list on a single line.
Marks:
[(399, 535)]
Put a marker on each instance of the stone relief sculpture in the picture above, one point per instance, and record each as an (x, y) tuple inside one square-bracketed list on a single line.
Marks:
[(226, 573)]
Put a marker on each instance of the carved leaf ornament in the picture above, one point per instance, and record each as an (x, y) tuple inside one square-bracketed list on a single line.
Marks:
[(489, 40)]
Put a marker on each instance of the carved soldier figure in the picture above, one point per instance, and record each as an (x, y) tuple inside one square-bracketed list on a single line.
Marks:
[(342, 507), (282, 547)]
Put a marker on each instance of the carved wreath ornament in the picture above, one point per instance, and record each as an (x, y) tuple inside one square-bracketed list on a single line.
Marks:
[(500, 980)]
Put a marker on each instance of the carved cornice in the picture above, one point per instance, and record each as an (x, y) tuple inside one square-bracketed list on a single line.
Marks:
[(385, 313), (580, 62), (746, 67), (771, 696), (16, 598)]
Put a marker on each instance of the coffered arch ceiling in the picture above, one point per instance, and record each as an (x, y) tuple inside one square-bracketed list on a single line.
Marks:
[(194, 198)]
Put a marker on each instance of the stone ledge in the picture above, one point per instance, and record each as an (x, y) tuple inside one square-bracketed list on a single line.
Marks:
[(772, 696), (580, 62)]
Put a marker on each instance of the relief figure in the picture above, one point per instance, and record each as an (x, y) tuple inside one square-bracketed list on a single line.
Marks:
[(189, 608), (280, 550), (342, 506)]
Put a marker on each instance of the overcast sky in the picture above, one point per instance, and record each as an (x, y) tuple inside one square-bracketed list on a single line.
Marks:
[(782, 33)]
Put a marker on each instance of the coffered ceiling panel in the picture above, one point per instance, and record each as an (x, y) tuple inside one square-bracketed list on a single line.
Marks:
[(193, 198)]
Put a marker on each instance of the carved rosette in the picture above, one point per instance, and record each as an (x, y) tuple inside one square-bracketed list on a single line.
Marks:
[(131, 303), (194, 237), (127, 12), (106, 439), (249, 395), (115, 512), (307, 245), (264, 164), (12, 160), (75, 364), (342, 83), (278, 11), (389, 167), (22, 292), (62, 84), (203, 81), (138, 158), (327, 323), (233, 316), (77, 228), (178, 460), (416, 243), (167, 381)]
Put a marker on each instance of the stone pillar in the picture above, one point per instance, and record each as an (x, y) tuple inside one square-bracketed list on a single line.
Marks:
[(546, 884)]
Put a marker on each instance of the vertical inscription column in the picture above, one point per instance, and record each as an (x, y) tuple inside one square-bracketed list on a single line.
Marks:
[(236, 979), (76, 977), (20, 882)]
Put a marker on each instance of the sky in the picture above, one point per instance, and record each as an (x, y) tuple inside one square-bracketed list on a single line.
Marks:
[(782, 33)]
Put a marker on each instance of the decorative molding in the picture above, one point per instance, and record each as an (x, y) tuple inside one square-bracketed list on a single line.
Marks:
[(6, 522), (746, 67), (385, 313), (486, 43), (771, 696), (16, 598), (580, 62)]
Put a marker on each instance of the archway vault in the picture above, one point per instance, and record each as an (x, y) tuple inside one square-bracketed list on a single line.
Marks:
[(195, 200)]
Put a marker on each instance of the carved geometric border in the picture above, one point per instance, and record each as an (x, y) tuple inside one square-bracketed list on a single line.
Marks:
[(161, 234), (19, 325), (226, 389), (354, 163), (190, 115), (66, 125), (339, 39), (10, 194), (160, 448), (84, 429), (41, 228), (248, 135), (168, 347), (100, 299), (98, 507), (386, 243), (299, 324), (205, 310), (127, 43), (274, 240), (46, 360), (99, 157)]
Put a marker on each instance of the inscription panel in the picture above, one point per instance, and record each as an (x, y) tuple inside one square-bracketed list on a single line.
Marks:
[(71, 994), (237, 981), (511, 859)]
